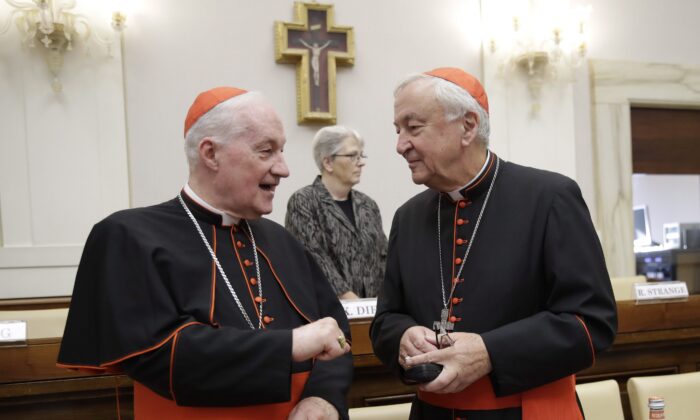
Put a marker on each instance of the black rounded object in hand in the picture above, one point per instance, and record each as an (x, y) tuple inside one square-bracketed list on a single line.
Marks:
[(421, 373)]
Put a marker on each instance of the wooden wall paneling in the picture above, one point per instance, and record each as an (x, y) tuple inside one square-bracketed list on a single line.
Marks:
[(653, 339), (665, 141)]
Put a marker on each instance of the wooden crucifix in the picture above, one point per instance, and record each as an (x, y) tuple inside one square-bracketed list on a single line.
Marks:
[(316, 45)]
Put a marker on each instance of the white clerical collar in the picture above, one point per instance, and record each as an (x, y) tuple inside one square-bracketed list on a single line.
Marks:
[(226, 219), (456, 195)]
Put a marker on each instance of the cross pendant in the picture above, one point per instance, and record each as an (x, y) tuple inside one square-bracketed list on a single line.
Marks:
[(442, 329)]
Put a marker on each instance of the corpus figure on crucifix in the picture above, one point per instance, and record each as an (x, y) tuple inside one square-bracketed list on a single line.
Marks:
[(315, 54), (316, 45)]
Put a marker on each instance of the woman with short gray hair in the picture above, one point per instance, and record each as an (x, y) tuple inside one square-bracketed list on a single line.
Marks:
[(341, 227)]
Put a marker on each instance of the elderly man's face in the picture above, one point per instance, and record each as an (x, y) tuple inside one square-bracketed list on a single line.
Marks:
[(429, 143), (251, 166)]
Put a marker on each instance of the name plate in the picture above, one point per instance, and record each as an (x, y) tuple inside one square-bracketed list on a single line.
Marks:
[(13, 331), (360, 308), (664, 290)]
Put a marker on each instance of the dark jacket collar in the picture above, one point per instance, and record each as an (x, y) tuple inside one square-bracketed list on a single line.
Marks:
[(199, 212), (480, 185)]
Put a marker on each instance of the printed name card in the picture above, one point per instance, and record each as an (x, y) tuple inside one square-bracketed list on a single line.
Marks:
[(664, 290), (13, 331), (360, 308)]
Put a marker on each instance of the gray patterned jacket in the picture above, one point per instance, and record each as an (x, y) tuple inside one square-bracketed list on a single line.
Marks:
[(352, 257)]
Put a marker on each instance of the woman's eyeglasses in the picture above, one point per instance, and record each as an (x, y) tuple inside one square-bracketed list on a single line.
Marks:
[(355, 157)]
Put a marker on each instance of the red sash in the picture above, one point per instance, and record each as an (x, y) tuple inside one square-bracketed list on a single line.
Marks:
[(149, 405), (555, 400)]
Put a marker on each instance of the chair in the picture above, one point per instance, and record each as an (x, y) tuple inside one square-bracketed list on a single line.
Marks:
[(601, 400), (381, 412), (680, 391), (623, 286)]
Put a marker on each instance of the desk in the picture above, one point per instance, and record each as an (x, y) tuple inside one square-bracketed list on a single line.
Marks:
[(652, 339)]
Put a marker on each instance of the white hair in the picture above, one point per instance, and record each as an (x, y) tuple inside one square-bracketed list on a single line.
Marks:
[(221, 124), (329, 140), (455, 101)]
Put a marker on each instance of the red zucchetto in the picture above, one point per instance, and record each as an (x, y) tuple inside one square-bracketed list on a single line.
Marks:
[(207, 100), (464, 80)]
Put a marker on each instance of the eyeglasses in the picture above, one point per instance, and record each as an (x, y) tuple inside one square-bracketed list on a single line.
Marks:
[(355, 157)]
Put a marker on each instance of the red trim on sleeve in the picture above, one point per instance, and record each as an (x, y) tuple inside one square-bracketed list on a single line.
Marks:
[(172, 363), (92, 370), (590, 341), (109, 367)]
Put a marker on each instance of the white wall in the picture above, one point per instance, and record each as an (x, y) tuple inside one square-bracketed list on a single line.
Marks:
[(173, 50), (173, 53), (63, 160), (631, 30)]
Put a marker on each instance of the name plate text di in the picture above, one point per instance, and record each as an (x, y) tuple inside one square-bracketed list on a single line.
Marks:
[(664, 290), (360, 308)]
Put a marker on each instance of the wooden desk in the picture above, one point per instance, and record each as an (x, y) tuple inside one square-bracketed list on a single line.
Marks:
[(652, 339)]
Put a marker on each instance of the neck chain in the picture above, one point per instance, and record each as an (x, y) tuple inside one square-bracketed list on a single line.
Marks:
[(445, 302), (221, 270)]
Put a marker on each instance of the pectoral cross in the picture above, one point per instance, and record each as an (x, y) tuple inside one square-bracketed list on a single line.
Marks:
[(442, 329)]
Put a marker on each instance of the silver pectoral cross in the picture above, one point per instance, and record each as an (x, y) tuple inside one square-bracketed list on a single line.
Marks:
[(442, 329)]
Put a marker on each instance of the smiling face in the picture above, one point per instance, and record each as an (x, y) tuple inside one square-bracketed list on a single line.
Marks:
[(344, 166), (431, 145), (251, 165)]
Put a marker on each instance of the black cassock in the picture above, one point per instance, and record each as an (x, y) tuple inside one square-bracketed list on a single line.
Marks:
[(534, 286), (148, 300)]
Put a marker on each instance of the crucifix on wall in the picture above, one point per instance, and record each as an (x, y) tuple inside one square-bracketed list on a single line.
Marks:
[(316, 45)]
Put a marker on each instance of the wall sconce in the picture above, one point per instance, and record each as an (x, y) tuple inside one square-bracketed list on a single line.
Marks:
[(543, 40), (53, 27)]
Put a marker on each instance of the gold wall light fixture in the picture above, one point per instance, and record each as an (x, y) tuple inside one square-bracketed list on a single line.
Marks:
[(546, 40), (52, 27)]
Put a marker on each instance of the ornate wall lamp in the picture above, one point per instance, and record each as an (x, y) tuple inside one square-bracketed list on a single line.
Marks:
[(52, 27), (544, 40)]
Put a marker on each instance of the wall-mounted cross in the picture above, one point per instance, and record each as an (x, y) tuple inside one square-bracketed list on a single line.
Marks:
[(316, 45)]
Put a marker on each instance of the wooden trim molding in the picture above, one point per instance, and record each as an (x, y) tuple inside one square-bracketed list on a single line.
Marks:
[(617, 86), (34, 303), (652, 339)]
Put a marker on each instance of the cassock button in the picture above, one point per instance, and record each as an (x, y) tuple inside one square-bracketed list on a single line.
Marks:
[(239, 244), (456, 300), (458, 261), (461, 241), (454, 319), (462, 204), (268, 319), (253, 281), (247, 263), (258, 299), (460, 222)]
